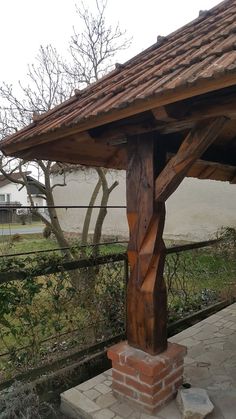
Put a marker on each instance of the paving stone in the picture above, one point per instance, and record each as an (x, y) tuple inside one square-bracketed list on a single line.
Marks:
[(195, 351), (189, 342), (216, 345), (102, 388), (106, 400), (108, 372), (87, 385), (135, 415), (194, 403), (122, 409), (218, 334), (108, 382), (210, 364), (80, 404), (91, 394), (170, 411), (104, 414), (233, 326), (189, 361), (225, 402), (213, 319)]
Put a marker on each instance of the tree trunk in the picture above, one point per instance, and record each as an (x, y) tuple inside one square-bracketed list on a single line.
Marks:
[(106, 190), (88, 215)]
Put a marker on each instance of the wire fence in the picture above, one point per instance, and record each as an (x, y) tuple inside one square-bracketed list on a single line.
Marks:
[(46, 316), (200, 274), (52, 306)]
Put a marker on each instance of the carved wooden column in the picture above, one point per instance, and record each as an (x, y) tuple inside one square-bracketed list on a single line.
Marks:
[(150, 181), (146, 296)]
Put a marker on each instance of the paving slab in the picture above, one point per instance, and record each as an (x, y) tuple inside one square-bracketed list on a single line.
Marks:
[(210, 364)]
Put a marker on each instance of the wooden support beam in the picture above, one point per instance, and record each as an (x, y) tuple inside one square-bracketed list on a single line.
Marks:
[(146, 296), (200, 108), (191, 149)]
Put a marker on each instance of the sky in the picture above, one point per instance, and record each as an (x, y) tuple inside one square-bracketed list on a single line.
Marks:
[(26, 24)]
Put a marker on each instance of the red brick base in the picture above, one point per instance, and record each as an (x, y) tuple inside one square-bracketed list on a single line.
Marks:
[(149, 381)]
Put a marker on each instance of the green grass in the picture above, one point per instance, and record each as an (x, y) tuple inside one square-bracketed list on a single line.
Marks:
[(27, 244), (35, 242), (13, 226)]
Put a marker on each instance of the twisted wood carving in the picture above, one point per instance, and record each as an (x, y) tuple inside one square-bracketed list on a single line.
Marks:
[(146, 299)]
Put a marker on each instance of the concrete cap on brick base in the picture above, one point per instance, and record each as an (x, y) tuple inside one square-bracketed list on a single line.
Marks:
[(145, 379)]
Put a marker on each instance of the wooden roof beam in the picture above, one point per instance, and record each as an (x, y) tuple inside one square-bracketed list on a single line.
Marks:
[(201, 108), (194, 145)]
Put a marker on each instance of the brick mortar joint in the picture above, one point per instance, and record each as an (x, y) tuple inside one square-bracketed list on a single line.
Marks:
[(124, 384), (140, 381), (170, 385), (176, 370), (127, 351), (164, 361), (137, 379)]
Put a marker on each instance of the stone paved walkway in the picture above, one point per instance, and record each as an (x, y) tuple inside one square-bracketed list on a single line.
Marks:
[(210, 364)]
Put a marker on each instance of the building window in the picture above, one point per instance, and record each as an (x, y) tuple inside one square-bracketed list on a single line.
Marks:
[(8, 197), (2, 197)]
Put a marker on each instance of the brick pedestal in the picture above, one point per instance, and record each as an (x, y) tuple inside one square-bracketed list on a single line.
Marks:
[(149, 381)]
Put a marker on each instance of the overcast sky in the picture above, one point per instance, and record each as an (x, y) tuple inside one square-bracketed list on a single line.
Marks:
[(25, 24)]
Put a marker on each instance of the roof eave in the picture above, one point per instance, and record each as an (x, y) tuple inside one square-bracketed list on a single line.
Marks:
[(11, 147)]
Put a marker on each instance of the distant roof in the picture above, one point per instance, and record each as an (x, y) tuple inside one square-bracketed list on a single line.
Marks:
[(35, 186), (181, 81), (16, 176)]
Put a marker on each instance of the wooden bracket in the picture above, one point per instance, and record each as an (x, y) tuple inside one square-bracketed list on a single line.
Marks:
[(191, 149)]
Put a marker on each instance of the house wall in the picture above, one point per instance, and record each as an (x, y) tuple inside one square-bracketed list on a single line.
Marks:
[(16, 194), (194, 212), (80, 185), (199, 208), (39, 202)]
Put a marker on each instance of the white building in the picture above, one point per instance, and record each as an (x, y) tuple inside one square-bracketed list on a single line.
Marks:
[(197, 210), (14, 194), (80, 183)]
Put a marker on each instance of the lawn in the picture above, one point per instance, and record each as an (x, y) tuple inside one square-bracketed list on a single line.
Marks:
[(20, 243), (25, 243), (13, 226)]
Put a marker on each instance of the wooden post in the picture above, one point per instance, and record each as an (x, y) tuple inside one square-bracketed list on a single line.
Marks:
[(146, 296)]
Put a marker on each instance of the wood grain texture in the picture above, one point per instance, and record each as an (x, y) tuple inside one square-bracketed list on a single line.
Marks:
[(146, 296), (191, 149), (12, 146)]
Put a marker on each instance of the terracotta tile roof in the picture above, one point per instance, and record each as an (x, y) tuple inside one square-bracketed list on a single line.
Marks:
[(201, 51)]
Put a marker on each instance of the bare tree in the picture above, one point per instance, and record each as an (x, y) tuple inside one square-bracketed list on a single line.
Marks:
[(47, 87), (50, 82), (94, 47), (92, 51)]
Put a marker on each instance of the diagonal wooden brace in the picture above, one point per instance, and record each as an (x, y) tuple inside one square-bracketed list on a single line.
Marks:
[(191, 149)]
